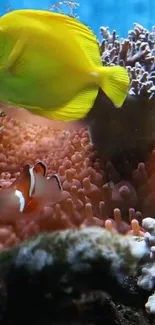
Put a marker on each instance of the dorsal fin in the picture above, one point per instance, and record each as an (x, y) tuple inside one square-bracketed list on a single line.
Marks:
[(40, 168), (88, 40)]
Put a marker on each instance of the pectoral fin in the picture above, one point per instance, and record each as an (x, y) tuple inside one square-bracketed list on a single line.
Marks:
[(13, 62)]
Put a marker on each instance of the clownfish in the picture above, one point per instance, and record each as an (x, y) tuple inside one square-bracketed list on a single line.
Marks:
[(30, 191), (50, 64)]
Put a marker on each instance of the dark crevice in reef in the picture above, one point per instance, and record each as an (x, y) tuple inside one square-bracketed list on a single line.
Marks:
[(38, 300), (123, 136), (27, 303)]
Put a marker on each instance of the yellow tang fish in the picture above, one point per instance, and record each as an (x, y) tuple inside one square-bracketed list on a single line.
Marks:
[(50, 64)]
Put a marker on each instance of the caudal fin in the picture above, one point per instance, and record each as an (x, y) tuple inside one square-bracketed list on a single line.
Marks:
[(115, 82)]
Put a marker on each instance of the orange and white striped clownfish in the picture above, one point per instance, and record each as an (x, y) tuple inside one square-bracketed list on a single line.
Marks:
[(30, 191)]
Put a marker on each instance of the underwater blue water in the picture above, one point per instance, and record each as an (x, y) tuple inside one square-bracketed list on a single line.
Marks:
[(117, 14)]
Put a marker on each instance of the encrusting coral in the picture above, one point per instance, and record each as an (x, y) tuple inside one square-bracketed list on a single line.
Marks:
[(74, 262), (81, 256)]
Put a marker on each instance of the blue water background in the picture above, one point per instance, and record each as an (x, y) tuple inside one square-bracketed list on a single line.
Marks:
[(117, 14)]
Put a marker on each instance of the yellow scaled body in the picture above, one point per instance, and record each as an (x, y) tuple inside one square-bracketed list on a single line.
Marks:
[(50, 64)]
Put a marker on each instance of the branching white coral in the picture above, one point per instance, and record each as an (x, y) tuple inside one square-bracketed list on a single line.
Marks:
[(147, 278)]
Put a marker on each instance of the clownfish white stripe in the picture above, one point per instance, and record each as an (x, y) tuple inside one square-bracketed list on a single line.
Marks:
[(32, 181), (21, 200)]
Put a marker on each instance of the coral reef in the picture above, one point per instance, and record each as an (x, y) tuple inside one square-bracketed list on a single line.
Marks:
[(146, 279), (69, 265), (107, 172), (59, 6), (75, 269), (121, 153), (128, 134), (125, 143), (136, 53)]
